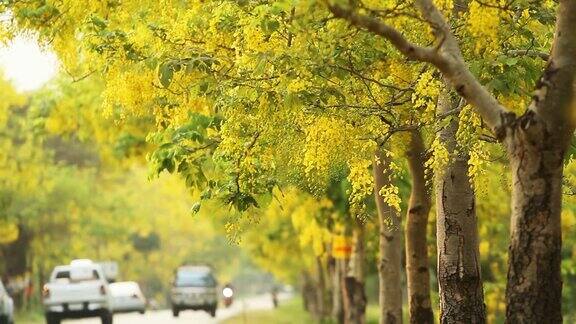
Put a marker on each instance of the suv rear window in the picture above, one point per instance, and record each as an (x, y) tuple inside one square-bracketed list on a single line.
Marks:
[(194, 279)]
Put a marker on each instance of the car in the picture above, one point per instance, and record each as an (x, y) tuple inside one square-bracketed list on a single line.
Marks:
[(6, 306), (110, 269), (78, 290), (127, 297), (195, 288)]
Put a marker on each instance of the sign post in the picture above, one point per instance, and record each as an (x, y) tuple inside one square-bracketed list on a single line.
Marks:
[(341, 246)]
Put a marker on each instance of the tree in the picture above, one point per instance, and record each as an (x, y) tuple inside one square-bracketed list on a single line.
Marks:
[(223, 133), (67, 191), (417, 264), (459, 278), (247, 83), (290, 239), (536, 143), (389, 265)]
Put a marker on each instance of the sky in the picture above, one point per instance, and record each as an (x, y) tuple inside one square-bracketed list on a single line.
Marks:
[(28, 66)]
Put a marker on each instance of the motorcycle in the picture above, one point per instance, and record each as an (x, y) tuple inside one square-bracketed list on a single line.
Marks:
[(228, 294)]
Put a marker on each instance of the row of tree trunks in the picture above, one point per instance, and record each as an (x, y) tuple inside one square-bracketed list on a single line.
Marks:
[(461, 294), (342, 296), (536, 209), (536, 143), (315, 292)]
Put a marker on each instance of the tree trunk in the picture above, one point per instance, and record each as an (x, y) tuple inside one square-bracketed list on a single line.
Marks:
[(354, 294), (16, 253), (534, 288), (461, 294), (417, 271), (322, 310), (390, 263), (41, 280), (537, 143), (314, 292), (309, 294), (16, 256), (337, 291)]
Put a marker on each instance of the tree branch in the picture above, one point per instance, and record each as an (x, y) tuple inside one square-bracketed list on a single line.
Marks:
[(529, 53), (555, 96), (446, 56), (376, 26)]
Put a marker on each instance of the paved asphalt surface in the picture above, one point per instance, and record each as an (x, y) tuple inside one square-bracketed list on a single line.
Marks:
[(190, 317)]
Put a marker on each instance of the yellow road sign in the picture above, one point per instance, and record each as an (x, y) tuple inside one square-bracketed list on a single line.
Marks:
[(341, 246)]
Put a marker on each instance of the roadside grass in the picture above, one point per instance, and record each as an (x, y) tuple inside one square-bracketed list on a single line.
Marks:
[(32, 317), (290, 312), (372, 313)]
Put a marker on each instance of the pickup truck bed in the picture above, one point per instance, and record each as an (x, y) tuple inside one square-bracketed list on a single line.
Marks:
[(71, 295)]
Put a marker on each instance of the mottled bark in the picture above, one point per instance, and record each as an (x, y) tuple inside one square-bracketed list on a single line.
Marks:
[(353, 286), (536, 144), (461, 294), (417, 270), (534, 289), (390, 247)]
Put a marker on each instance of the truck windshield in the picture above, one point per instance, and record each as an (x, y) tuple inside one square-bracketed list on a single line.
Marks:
[(194, 279), (64, 276)]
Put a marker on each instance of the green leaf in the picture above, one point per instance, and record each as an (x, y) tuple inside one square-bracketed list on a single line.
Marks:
[(165, 74), (269, 26), (497, 85), (195, 208), (290, 100), (206, 194), (511, 61), (98, 22), (261, 65)]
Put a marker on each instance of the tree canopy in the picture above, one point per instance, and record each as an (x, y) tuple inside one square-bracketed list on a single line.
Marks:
[(266, 107)]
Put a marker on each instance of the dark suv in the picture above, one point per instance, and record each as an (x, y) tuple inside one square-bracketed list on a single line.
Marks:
[(194, 287)]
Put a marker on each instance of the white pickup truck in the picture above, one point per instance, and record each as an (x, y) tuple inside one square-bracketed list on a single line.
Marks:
[(77, 291)]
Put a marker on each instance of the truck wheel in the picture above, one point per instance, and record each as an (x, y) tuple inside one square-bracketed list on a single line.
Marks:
[(52, 318), (175, 312), (106, 318)]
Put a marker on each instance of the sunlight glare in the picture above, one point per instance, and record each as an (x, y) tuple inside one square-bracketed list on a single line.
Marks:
[(27, 65)]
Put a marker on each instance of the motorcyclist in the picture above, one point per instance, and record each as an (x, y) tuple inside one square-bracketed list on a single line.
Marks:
[(274, 293)]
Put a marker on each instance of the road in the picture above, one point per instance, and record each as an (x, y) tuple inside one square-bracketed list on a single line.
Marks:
[(197, 317)]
